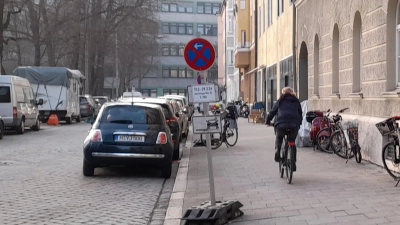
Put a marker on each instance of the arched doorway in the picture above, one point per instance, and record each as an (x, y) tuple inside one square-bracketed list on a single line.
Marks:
[(303, 72)]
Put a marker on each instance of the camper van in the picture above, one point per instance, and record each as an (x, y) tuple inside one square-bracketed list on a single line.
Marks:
[(59, 87), (18, 106)]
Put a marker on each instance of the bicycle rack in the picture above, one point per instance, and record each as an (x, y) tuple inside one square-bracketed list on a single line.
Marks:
[(205, 214)]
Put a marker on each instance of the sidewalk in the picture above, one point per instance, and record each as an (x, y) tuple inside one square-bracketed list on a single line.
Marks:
[(324, 189)]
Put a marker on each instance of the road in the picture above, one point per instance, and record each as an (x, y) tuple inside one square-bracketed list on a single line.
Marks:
[(42, 183)]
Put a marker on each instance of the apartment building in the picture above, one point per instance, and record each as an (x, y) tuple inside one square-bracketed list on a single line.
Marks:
[(348, 57), (226, 48), (180, 22), (245, 51), (275, 50)]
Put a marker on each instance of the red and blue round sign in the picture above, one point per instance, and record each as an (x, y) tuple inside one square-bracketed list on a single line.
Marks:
[(199, 54)]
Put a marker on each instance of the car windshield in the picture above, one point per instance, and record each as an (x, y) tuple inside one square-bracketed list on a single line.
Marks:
[(130, 114)]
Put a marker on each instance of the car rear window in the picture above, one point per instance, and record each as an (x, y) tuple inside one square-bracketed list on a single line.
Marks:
[(131, 114), (167, 112), (83, 100), (5, 96), (101, 100)]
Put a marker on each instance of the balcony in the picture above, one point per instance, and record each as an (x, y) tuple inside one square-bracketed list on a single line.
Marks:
[(242, 57)]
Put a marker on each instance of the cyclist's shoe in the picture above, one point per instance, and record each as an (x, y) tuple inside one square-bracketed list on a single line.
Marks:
[(294, 166), (277, 156)]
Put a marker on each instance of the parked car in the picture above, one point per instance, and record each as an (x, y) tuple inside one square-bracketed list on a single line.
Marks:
[(128, 134), (183, 119), (187, 108), (134, 94), (172, 120), (1, 128), (101, 99), (18, 106), (88, 106)]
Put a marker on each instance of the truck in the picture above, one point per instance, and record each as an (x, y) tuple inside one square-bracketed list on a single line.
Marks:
[(59, 87)]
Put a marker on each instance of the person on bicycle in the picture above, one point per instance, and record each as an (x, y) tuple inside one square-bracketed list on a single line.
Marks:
[(288, 116)]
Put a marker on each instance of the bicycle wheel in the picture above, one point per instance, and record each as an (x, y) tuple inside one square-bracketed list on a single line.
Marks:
[(323, 140), (339, 145), (216, 140), (289, 164), (357, 153), (390, 158), (231, 136), (283, 158)]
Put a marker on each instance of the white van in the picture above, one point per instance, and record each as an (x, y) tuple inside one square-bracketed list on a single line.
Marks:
[(18, 107)]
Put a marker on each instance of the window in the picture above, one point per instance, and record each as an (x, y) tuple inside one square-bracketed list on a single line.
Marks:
[(207, 29), (231, 57), (259, 22), (181, 7), (263, 16), (181, 92), (185, 7), (175, 72), (269, 13), (130, 114), (316, 65), (357, 53), (174, 28), (208, 8), (242, 4), (173, 49), (5, 96), (286, 72), (243, 38), (280, 7), (149, 92)]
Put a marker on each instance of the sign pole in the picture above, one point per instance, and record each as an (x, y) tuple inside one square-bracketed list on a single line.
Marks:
[(209, 155)]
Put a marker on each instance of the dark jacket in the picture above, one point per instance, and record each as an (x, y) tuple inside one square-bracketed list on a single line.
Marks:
[(287, 110)]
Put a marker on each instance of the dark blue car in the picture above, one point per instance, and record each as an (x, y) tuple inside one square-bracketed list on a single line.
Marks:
[(127, 133)]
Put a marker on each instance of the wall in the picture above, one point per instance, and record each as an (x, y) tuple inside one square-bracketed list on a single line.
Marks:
[(376, 100)]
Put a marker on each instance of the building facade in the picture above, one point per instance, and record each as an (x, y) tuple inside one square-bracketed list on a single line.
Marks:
[(245, 49), (226, 45), (180, 23), (348, 57), (275, 64)]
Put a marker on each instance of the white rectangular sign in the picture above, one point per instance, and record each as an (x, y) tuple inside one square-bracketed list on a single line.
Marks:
[(203, 93), (206, 124)]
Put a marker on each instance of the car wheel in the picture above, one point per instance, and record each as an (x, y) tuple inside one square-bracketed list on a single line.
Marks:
[(176, 154), (68, 120), (21, 127), (167, 171), (1, 130), (36, 127), (78, 119), (88, 169)]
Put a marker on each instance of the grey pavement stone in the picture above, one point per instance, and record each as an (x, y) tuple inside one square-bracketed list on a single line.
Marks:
[(42, 183), (324, 190)]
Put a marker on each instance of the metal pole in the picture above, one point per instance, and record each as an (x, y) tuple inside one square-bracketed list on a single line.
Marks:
[(209, 155)]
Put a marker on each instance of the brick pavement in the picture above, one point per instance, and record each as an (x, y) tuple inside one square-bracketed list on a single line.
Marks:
[(41, 182), (324, 190)]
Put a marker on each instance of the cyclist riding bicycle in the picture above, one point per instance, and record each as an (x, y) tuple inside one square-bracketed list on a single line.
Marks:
[(289, 114)]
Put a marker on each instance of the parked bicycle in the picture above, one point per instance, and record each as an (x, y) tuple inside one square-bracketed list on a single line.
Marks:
[(344, 141), (286, 164), (390, 151), (328, 126), (229, 134)]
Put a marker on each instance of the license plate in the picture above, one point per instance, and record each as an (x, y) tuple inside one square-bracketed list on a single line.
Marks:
[(129, 138)]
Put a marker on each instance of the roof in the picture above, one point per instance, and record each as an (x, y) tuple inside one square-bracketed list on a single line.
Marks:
[(145, 100), (154, 106), (48, 75)]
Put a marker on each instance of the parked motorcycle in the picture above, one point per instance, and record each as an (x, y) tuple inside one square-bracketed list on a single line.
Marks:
[(316, 118)]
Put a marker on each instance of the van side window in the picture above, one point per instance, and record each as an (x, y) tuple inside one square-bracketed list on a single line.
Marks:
[(20, 94), (27, 95), (5, 96)]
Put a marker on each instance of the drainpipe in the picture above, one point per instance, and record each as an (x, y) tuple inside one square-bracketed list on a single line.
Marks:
[(294, 49), (256, 47), (226, 56)]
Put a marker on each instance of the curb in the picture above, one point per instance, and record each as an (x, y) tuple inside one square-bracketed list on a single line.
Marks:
[(175, 205)]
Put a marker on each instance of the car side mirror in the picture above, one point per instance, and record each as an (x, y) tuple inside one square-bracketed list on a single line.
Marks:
[(177, 114), (40, 102)]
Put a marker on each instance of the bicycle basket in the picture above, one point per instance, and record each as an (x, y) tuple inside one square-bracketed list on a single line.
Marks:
[(387, 126)]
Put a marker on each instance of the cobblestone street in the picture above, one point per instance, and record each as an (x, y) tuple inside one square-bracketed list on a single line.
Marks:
[(42, 183)]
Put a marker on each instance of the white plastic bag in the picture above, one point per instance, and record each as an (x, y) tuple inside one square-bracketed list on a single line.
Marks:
[(303, 137)]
